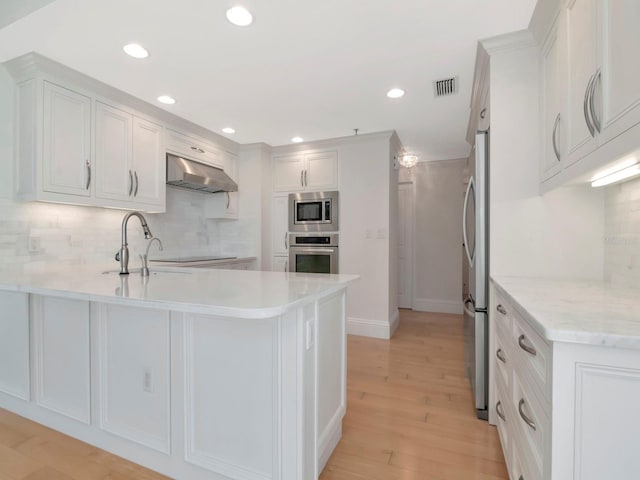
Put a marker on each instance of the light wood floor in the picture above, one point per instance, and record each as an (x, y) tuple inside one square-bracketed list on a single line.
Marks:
[(410, 413), (409, 416)]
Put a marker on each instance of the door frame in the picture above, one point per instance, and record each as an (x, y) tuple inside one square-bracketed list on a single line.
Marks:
[(411, 274)]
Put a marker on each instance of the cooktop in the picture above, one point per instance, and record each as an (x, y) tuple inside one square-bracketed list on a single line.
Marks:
[(191, 259)]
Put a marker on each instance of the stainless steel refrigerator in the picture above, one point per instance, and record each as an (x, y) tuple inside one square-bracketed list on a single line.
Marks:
[(475, 229)]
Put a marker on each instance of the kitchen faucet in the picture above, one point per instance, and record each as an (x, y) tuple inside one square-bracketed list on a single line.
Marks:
[(144, 257), (123, 255)]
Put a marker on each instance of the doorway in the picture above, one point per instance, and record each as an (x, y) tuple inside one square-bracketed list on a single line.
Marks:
[(406, 223)]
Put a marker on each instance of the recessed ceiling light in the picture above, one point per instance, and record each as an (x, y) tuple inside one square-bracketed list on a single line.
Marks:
[(297, 139), (166, 99), (395, 93), (228, 130), (136, 51), (239, 16)]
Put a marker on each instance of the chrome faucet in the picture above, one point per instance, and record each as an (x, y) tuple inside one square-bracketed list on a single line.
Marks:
[(123, 255), (144, 257)]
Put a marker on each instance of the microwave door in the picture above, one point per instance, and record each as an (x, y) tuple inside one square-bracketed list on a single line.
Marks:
[(308, 212)]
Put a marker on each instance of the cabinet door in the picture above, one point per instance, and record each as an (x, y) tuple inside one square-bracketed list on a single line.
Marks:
[(66, 141), (553, 121), (280, 264), (280, 224), (149, 168), (114, 175), (321, 171), (619, 88), (134, 374), (288, 173), (581, 29), (14, 344), (233, 198)]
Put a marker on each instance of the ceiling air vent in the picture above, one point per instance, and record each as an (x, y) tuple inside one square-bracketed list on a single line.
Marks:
[(444, 87)]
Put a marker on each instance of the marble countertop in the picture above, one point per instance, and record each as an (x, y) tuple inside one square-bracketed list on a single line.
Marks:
[(235, 293), (576, 311)]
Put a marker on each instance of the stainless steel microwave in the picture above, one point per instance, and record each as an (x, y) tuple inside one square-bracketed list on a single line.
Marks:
[(313, 212)]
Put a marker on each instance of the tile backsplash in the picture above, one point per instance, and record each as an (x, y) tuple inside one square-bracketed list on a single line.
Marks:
[(622, 234), (40, 234)]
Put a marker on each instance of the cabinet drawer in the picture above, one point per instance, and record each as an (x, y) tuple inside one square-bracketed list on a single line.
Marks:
[(532, 354), (193, 148), (532, 427), (518, 468), (505, 419), (502, 318), (502, 357)]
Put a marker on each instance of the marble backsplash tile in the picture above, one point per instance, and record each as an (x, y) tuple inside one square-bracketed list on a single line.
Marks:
[(39, 234), (622, 234)]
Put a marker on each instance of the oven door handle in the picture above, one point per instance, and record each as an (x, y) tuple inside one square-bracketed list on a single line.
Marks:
[(312, 250)]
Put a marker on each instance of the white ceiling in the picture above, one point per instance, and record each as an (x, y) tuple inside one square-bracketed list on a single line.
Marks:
[(317, 69)]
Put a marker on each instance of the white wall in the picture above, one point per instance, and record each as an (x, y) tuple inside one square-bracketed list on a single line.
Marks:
[(438, 235), (557, 235), (34, 234), (622, 234)]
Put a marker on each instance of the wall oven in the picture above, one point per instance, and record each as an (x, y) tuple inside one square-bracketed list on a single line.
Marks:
[(313, 212), (313, 253)]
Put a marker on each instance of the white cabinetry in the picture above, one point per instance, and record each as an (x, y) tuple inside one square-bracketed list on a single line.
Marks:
[(66, 141), (596, 42), (129, 158), (14, 344), (280, 224), (305, 172), (133, 370), (280, 263), (565, 410), (73, 147), (194, 148), (61, 345)]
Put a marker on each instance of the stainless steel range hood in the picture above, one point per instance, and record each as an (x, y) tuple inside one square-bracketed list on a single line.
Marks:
[(185, 173)]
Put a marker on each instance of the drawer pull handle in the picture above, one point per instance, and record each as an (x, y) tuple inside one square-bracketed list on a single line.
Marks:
[(525, 347), (501, 309), (524, 416), (500, 355), (499, 411), (197, 149)]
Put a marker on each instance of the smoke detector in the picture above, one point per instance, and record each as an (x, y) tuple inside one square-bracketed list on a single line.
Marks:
[(446, 86)]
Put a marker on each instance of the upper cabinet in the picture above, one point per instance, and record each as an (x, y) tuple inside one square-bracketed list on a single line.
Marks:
[(193, 148), (590, 66), (306, 172), (130, 162), (66, 143), (225, 205)]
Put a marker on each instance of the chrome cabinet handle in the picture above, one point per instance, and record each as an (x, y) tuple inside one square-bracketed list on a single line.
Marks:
[(592, 108), (587, 119), (286, 265), (520, 477), (524, 416), (553, 137), (501, 309), (302, 178), (306, 182), (525, 347), (499, 411), (88, 175), (135, 193), (228, 200), (130, 182), (197, 149), (286, 244), (483, 113), (500, 355)]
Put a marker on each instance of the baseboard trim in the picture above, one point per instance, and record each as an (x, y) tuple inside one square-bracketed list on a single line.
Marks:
[(395, 323), (438, 306), (368, 328)]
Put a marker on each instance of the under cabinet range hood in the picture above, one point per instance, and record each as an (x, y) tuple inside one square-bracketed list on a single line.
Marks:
[(185, 173)]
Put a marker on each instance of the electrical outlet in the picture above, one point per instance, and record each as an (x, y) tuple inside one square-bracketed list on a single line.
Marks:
[(34, 244), (147, 380)]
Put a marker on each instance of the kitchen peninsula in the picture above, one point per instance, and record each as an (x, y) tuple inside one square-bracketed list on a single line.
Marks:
[(195, 373)]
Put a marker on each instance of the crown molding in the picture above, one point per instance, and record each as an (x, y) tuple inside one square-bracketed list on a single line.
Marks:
[(509, 42), (334, 142)]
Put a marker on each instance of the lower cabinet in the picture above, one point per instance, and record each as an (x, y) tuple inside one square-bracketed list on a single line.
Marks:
[(61, 353), (280, 263), (565, 410), (14, 344), (133, 368)]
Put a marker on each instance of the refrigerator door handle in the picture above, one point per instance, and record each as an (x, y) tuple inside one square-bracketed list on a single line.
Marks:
[(470, 256)]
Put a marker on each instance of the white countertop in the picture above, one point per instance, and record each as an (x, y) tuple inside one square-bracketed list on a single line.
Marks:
[(576, 311), (235, 293)]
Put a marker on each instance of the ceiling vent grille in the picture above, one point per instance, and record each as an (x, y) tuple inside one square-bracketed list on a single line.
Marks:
[(446, 86)]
